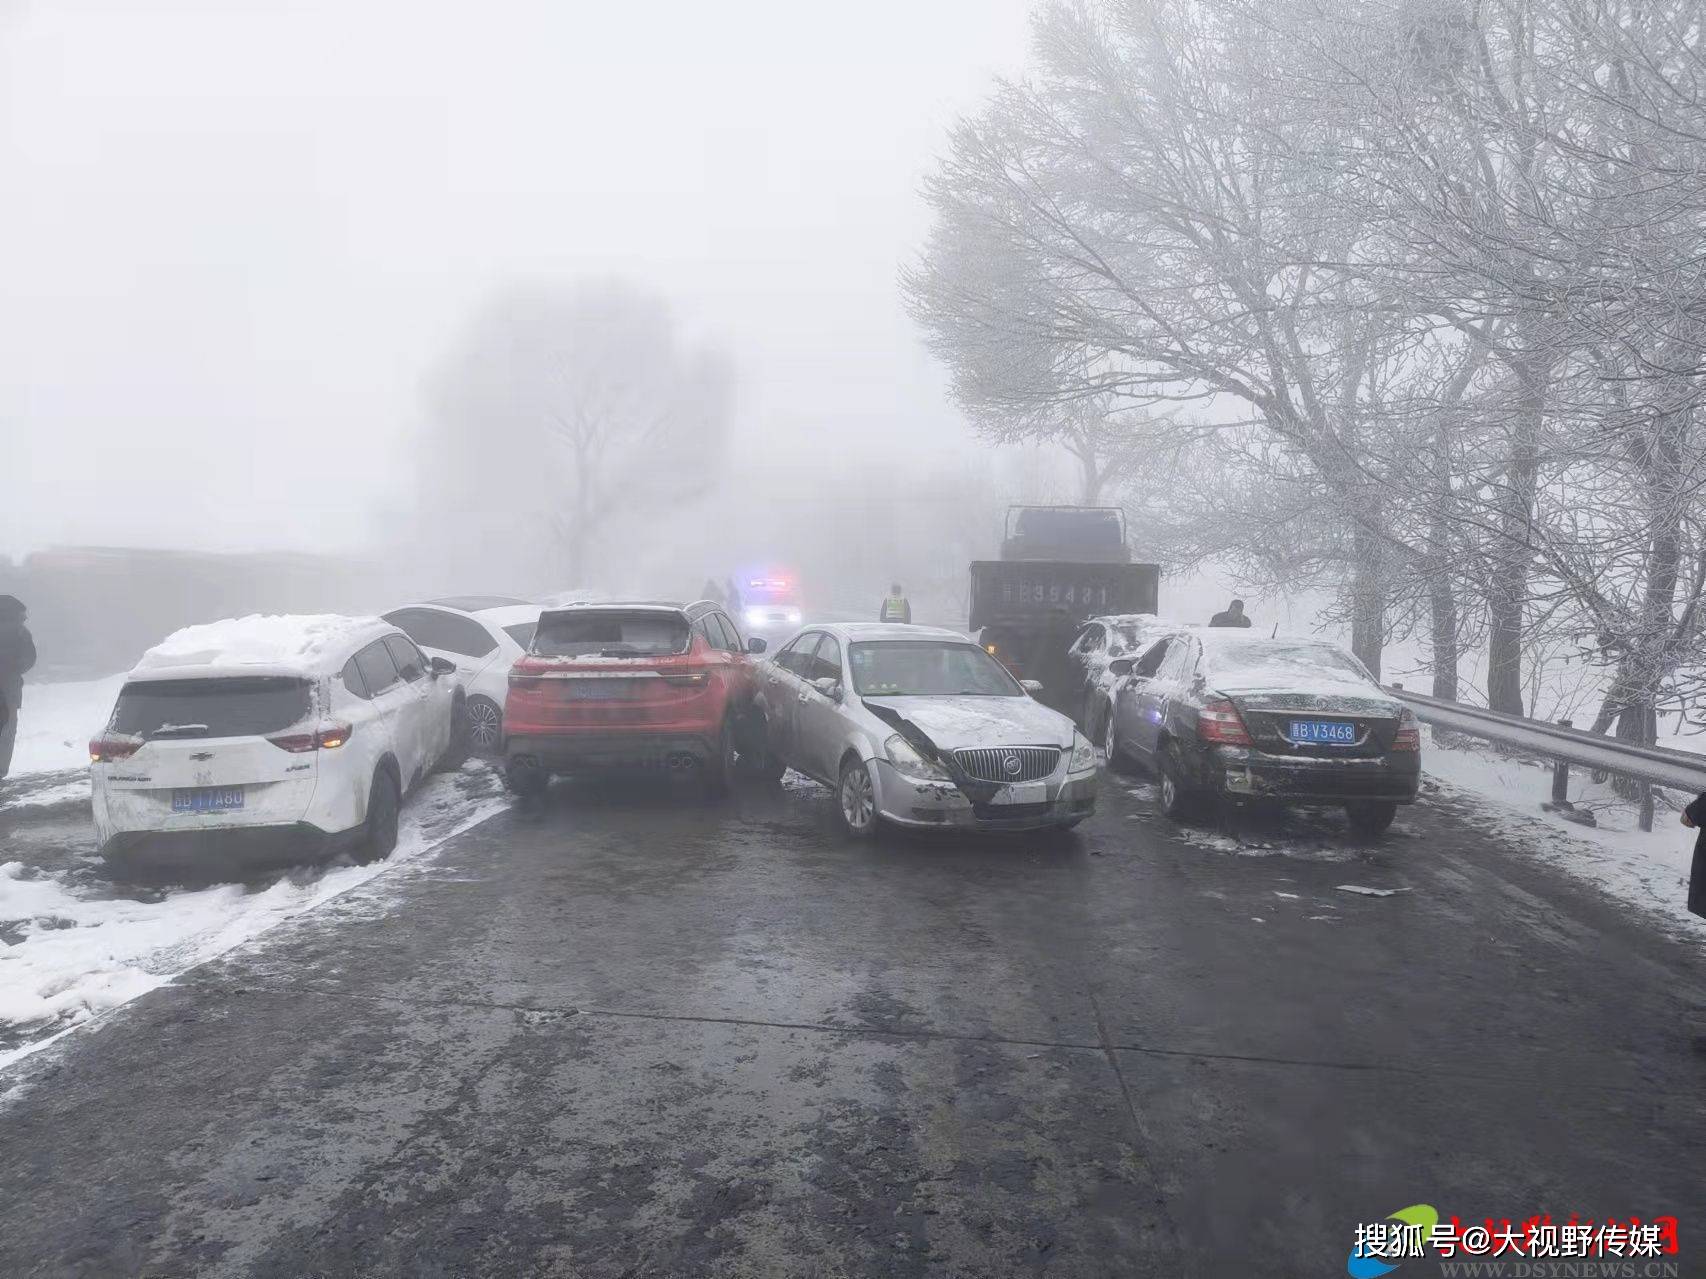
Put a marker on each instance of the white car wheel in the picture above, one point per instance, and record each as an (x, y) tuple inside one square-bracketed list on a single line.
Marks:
[(483, 723)]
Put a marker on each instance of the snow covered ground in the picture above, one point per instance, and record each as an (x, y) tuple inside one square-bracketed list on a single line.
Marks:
[(57, 722), (1648, 869), (71, 948), (73, 945)]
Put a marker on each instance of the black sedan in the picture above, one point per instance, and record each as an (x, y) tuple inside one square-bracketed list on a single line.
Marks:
[(1230, 716)]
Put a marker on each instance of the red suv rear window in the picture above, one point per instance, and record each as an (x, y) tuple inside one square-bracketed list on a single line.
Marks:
[(586, 632)]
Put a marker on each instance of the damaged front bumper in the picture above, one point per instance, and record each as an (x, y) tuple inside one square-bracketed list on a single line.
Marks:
[(1060, 800), (1242, 773)]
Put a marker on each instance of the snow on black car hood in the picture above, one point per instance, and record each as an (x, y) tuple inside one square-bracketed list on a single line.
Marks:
[(956, 722)]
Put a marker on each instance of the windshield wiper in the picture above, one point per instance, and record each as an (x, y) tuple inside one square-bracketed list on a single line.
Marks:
[(179, 730)]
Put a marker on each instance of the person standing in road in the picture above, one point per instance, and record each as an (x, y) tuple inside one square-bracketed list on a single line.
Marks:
[(895, 608), (17, 655), (1694, 817), (1233, 616)]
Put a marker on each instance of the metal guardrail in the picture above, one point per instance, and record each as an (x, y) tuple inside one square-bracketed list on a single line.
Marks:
[(1566, 745)]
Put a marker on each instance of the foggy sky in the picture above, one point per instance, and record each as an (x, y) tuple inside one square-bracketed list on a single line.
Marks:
[(235, 235)]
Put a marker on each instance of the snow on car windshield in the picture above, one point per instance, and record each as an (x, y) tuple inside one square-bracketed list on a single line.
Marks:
[(1301, 666), (609, 633), (926, 668), (236, 706)]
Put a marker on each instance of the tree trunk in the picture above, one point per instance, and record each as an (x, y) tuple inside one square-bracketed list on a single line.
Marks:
[(1091, 489), (1507, 593), (1442, 601), (1646, 661), (1368, 599)]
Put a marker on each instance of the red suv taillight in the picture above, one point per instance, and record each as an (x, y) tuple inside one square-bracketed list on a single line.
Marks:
[(1219, 722), (1409, 734), (327, 738), (104, 750)]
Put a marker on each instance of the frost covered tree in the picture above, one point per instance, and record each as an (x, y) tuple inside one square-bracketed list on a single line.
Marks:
[(593, 409), (1429, 270)]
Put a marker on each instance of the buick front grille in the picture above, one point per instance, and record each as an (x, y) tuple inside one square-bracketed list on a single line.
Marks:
[(1009, 763)]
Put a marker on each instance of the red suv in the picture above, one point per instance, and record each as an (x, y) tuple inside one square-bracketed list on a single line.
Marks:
[(611, 685)]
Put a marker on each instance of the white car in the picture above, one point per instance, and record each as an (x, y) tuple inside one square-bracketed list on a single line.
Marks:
[(1100, 641), (263, 741), (481, 635)]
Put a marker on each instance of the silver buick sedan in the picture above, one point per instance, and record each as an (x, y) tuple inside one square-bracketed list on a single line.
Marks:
[(919, 727)]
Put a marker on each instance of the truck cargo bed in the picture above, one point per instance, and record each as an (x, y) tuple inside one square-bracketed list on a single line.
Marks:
[(1017, 592)]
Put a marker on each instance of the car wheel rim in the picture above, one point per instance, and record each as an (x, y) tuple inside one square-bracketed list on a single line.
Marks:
[(856, 802), (1169, 791), (483, 725)]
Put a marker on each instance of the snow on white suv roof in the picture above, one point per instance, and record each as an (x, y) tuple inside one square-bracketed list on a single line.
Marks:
[(301, 644)]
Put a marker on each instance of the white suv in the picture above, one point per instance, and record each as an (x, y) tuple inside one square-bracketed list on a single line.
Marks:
[(482, 636), (264, 740)]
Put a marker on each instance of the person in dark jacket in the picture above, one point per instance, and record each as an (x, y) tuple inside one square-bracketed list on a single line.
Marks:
[(1233, 616), (17, 655), (1694, 817)]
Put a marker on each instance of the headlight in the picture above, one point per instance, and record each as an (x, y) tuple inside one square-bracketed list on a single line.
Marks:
[(1083, 754), (909, 763), (754, 616), (793, 617)]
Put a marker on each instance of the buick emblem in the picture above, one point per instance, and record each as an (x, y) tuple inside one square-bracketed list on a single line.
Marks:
[(1012, 765)]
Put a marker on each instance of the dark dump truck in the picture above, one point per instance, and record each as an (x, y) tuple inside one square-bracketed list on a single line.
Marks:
[(1059, 565)]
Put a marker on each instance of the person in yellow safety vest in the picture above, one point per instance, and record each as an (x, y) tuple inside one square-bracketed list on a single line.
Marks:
[(895, 608)]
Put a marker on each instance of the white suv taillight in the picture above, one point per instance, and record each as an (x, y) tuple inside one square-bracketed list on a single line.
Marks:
[(327, 738), (1409, 734), (104, 750)]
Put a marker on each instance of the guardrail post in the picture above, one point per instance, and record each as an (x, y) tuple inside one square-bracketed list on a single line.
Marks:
[(1646, 806), (1561, 774)]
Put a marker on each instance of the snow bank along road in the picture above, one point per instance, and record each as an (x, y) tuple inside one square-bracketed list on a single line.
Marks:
[(618, 1036), (74, 944)]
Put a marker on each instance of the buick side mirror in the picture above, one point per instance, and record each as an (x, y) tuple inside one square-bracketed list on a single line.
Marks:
[(1120, 666), (830, 688), (756, 645), (1032, 686), (442, 666)]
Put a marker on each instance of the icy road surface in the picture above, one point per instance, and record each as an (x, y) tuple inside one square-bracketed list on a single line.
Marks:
[(627, 1033)]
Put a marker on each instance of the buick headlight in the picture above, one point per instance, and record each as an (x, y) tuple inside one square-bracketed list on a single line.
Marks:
[(1083, 754), (909, 763)]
